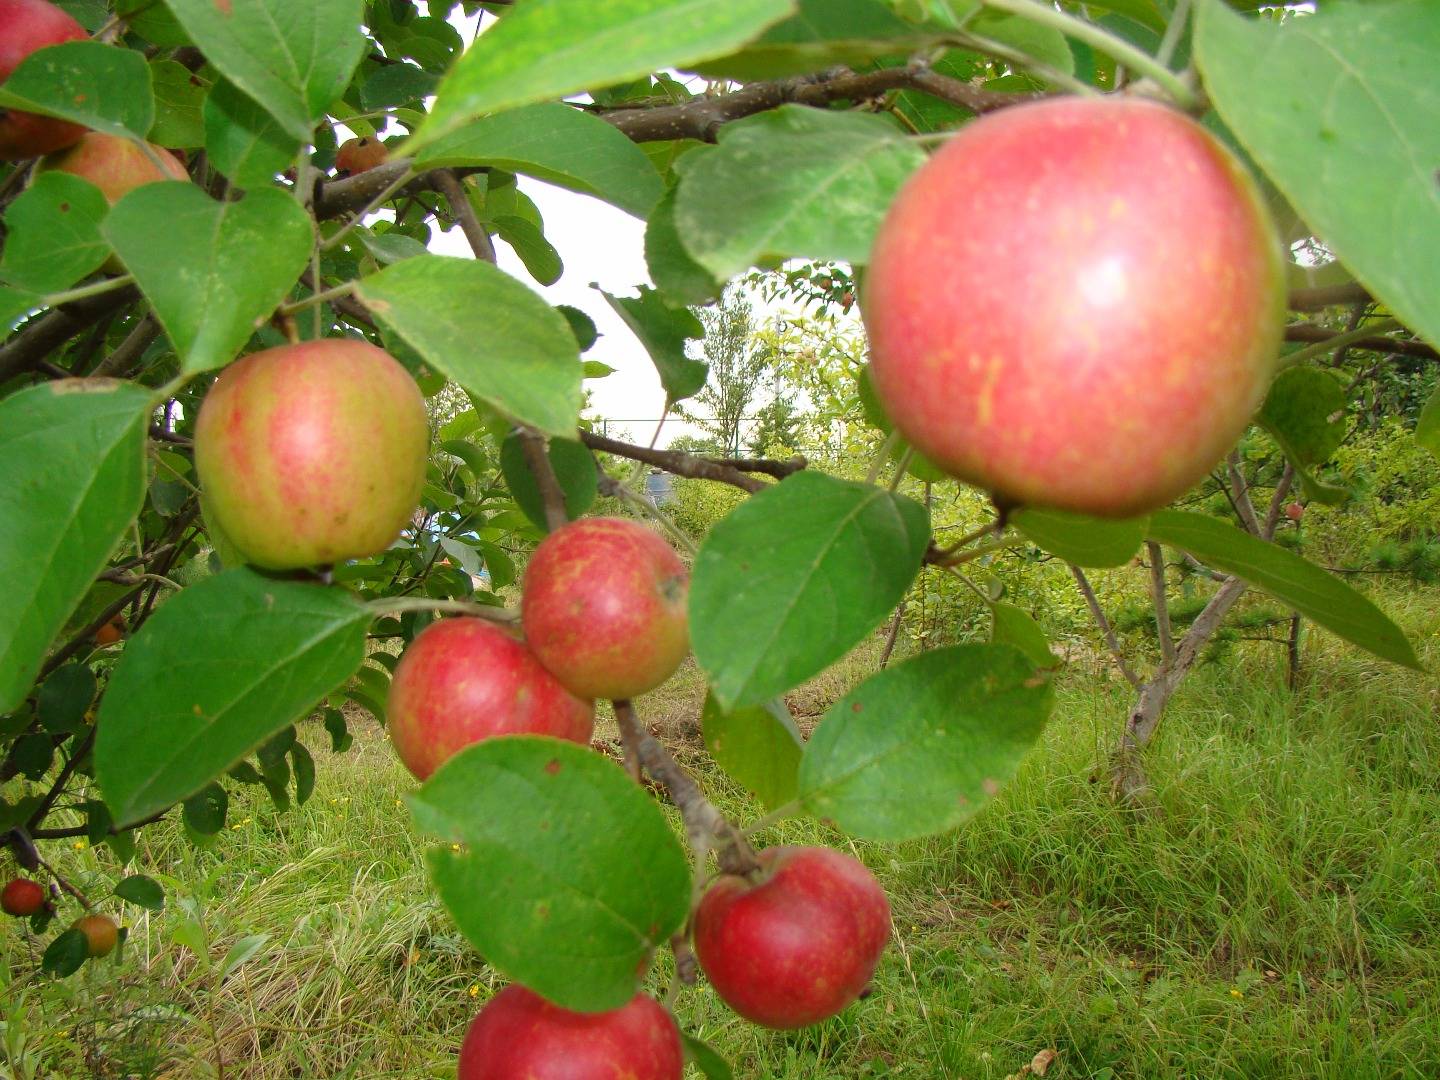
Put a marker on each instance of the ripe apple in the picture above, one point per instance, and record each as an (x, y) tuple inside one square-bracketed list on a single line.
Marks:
[(1294, 511), (27, 25), (100, 932), (360, 155), (604, 607), (22, 897), (111, 632), (798, 944), (463, 680), (114, 165), (312, 453), (519, 1035), (1077, 304)]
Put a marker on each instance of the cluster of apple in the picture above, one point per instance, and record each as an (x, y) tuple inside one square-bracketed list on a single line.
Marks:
[(23, 897)]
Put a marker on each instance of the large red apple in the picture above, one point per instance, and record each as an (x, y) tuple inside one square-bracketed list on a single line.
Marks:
[(101, 933), (604, 607), (115, 165), (312, 453), (798, 944), (519, 1035), (27, 25), (463, 680), (22, 897), (1076, 304)]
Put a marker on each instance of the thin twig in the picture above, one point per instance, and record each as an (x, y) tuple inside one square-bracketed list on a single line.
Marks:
[(538, 458), (1106, 630), (449, 185), (1162, 605)]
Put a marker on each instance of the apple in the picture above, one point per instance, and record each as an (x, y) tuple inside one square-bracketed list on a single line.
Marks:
[(25, 26), (111, 632), (604, 607), (797, 944), (1076, 303), (100, 932), (360, 155), (466, 679), (1294, 511), (22, 897), (312, 453), (519, 1035), (115, 165)]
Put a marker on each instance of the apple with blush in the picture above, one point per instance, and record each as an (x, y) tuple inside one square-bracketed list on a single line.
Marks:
[(356, 156), (22, 897), (25, 26), (101, 934)]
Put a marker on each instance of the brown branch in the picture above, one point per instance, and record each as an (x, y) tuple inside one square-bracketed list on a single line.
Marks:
[(550, 494), (1327, 296), (1106, 630), (768, 466), (449, 185), (117, 364), (892, 635), (704, 824), (1312, 334), (1162, 606), (115, 830), (47, 333), (675, 461), (1241, 491)]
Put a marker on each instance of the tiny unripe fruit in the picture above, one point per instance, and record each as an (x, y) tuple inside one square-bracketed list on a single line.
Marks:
[(22, 897), (463, 680), (519, 1035), (604, 607), (360, 155), (798, 944), (100, 932), (1294, 511), (25, 26), (312, 453), (1076, 303)]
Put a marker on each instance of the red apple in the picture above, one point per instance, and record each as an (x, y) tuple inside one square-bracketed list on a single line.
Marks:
[(798, 944), (114, 165), (604, 607), (22, 897), (111, 632), (312, 453), (27, 25), (519, 1035), (463, 680), (1294, 511), (360, 155), (1077, 304), (100, 932)]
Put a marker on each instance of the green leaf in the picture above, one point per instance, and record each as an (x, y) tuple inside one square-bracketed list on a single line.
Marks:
[(214, 271), (15, 304), (65, 697), (672, 269), (574, 467), (568, 875), (560, 145), (217, 670), (491, 335), (396, 84), (1026, 36), (586, 334), (1305, 413), (241, 952), (391, 247), (700, 1054), (179, 98), (757, 745), (97, 86), (1287, 577), (142, 891), (548, 49), (541, 259), (823, 34), (664, 330), (302, 766), (1341, 110), (923, 745), (793, 182), (204, 812), (1016, 627), (242, 140), (293, 59), (1084, 541), (796, 576), (1427, 427), (66, 953), (53, 233), (74, 453)]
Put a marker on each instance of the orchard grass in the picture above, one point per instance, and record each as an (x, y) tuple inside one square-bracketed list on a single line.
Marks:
[(1277, 913)]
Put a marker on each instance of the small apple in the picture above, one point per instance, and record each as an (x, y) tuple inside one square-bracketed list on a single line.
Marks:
[(111, 632), (312, 453), (115, 165), (25, 26), (519, 1035), (1076, 303), (604, 607), (1294, 511), (100, 932), (22, 897), (466, 679), (798, 944), (360, 155)]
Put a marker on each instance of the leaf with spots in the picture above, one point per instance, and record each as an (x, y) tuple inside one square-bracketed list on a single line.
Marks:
[(219, 669), (921, 746), (94, 85), (53, 233), (561, 870)]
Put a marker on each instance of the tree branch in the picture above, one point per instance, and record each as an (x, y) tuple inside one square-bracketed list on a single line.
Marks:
[(675, 461), (1316, 335), (1093, 602), (1162, 606), (449, 185), (47, 333), (545, 479), (1325, 296), (1241, 492)]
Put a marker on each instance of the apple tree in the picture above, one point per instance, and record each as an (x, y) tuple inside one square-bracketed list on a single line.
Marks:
[(251, 426)]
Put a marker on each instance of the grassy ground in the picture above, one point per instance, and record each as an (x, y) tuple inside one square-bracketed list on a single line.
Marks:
[(1278, 916)]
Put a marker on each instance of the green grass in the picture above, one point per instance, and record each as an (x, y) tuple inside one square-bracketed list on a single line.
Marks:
[(1277, 915)]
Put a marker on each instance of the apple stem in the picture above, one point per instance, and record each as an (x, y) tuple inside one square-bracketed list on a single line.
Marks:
[(94, 289), (704, 824), (1122, 51)]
